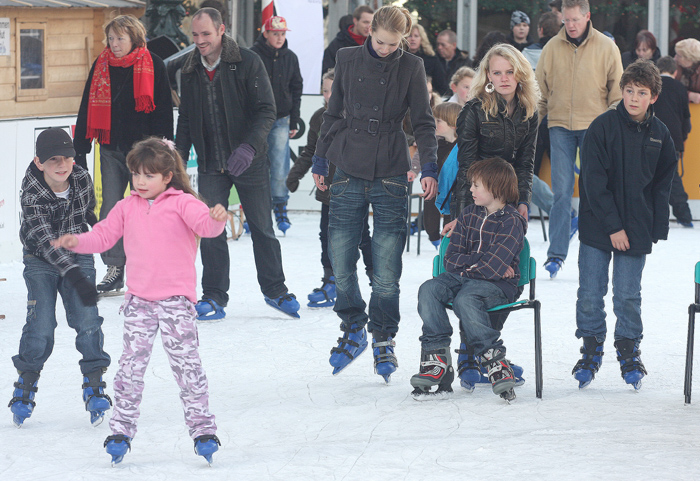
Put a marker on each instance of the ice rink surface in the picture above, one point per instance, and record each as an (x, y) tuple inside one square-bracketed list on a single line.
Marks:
[(281, 415)]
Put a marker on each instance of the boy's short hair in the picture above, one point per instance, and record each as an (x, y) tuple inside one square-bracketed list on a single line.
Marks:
[(447, 112), (642, 73), (357, 13), (667, 64), (498, 176), (549, 23), (461, 74)]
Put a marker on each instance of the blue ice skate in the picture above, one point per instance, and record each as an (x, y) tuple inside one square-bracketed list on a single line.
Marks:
[(287, 304), (350, 346), (96, 401), (385, 362), (553, 265), (468, 368), (209, 310), (117, 446), (206, 445), (22, 402), (325, 295), (631, 366), (592, 357), (281, 217)]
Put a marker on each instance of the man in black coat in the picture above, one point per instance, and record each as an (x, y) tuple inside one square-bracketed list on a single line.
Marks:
[(227, 109), (451, 57), (352, 36), (282, 67), (672, 109)]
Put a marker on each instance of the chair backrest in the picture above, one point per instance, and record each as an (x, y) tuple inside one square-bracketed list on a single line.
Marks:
[(697, 272), (527, 264)]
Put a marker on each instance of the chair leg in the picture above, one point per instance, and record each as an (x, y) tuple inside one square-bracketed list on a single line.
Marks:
[(688, 386), (538, 351), (544, 228)]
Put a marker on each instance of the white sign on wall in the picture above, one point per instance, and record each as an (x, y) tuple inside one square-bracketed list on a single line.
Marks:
[(4, 36)]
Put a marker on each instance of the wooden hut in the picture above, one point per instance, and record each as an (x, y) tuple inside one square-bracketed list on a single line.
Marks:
[(46, 50)]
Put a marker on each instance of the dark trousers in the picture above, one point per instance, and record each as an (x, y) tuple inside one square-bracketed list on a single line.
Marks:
[(115, 179), (678, 198), (253, 188)]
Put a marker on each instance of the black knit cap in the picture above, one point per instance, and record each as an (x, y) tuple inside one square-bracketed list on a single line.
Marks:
[(52, 142)]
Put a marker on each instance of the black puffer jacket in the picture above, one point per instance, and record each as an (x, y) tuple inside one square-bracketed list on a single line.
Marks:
[(282, 67), (362, 128), (630, 56), (128, 125), (248, 103), (625, 181), (511, 138)]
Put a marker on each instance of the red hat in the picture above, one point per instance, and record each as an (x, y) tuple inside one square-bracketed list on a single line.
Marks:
[(275, 24)]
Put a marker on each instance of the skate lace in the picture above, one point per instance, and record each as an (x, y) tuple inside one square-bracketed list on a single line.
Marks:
[(113, 273)]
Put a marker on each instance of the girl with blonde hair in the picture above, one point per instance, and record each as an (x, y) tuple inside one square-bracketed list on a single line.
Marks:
[(688, 61), (375, 85)]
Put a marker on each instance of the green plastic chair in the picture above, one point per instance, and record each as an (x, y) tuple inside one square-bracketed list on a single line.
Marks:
[(692, 309), (527, 267)]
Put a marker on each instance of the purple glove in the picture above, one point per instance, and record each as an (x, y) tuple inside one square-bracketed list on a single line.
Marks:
[(240, 159)]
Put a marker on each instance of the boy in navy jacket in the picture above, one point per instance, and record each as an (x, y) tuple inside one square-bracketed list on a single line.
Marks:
[(627, 164), (481, 266)]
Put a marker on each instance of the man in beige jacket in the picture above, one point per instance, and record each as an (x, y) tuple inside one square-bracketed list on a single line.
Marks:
[(578, 74)]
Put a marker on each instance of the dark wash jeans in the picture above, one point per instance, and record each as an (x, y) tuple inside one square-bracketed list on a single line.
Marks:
[(253, 188), (36, 344), (349, 206)]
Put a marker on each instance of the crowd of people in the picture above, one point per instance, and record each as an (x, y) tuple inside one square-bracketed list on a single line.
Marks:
[(474, 130)]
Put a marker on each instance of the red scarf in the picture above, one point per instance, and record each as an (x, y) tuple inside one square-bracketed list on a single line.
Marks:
[(357, 38), (99, 116)]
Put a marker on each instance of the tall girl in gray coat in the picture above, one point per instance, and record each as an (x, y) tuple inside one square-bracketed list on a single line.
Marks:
[(375, 84)]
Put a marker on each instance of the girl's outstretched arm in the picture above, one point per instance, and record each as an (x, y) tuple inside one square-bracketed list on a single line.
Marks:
[(67, 241), (218, 213)]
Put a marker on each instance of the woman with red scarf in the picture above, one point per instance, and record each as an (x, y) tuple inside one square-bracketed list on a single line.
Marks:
[(126, 98)]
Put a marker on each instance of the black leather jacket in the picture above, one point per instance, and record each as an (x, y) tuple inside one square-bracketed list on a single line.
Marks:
[(478, 137)]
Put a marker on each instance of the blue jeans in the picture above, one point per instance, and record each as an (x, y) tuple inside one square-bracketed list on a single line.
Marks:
[(365, 244), (470, 299), (563, 144), (278, 152), (542, 195), (253, 187), (115, 179), (593, 267), (44, 282), (349, 206)]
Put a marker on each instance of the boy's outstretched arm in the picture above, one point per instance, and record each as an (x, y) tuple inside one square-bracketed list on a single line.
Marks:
[(67, 241)]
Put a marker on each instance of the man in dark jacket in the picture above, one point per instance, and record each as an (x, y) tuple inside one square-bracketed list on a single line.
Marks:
[(282, 67), (226, 111), (672, 109), (451, 57), (354, 35)]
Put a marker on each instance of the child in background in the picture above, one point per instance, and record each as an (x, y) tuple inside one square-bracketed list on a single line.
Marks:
[(282, 67), (461, 84), (672, 109), (627, 165), (481, 265), (446, 131), (58, 198), (159, 223), (325, 295)]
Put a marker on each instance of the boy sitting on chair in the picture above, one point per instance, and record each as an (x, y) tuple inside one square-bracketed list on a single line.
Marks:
[(481, 266)]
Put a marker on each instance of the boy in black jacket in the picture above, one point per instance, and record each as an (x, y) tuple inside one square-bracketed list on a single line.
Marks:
[(672, 109), (58, 198), (282, 66), (627, 164), (481, 265)]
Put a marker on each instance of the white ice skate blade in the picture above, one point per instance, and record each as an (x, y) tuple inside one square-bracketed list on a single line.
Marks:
[(433, 396), (117, 293)]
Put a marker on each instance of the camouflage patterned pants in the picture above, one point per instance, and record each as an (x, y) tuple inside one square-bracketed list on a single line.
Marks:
[(176, 319)]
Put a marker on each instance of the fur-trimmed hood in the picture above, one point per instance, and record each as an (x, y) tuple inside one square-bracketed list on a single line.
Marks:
[(230, 53)]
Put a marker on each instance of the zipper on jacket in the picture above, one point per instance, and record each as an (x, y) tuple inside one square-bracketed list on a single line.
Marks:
[(481, 229), (573, 90)]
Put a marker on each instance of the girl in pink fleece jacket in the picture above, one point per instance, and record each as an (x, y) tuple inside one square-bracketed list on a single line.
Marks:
[(159, 223)]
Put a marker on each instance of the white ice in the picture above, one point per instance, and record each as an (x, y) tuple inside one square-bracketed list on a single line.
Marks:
[(282, 415)]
